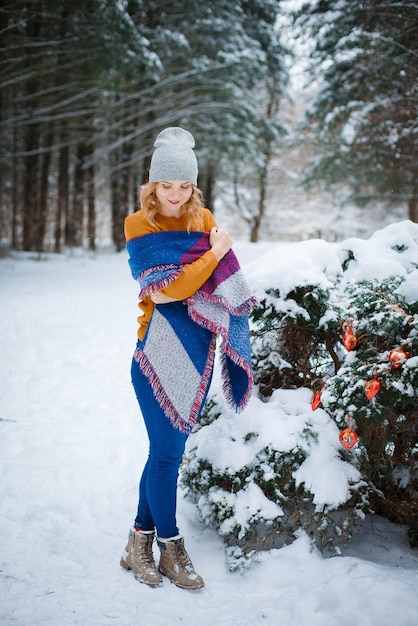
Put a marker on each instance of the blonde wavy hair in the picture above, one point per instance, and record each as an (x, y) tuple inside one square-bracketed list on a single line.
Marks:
[(150, 206)]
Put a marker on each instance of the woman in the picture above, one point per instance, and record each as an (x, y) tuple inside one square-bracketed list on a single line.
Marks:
[(186, 269)]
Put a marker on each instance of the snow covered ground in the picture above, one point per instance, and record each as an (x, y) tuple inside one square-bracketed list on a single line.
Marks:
[(72, 445)]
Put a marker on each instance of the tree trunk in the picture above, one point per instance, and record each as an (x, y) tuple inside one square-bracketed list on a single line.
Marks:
[(120, 194), (120, 206), (14, 195), (30, 186), (207, 187), (91, 211), (255, 227), (74, 234), (413, 209), (42, 217), (63, 195)]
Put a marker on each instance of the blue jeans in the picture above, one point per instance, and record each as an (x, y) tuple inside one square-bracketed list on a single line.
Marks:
[(158, 484)]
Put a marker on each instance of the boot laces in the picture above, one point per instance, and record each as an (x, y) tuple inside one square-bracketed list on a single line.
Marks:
[(145, 552), (183, 557)]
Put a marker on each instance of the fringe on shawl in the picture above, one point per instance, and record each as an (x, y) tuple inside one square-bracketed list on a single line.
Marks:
[(244, 308), (227, 352), (157, 285), (226, 383), (162, 398)]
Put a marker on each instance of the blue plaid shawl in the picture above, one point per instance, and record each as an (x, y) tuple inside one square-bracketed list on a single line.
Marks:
[(181, 336)]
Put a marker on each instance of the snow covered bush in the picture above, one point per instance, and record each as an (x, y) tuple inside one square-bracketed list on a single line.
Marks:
[(377, 385), (260, 476), (332, 318)]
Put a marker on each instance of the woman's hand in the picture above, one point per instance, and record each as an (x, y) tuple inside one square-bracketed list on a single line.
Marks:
[(159, 298), (220, 242)]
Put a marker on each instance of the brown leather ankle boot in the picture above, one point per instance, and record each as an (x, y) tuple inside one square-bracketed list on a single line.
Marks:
[(138, 556), (175, 563)]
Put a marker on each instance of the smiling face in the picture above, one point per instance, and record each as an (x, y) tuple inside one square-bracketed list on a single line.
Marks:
[(172, 194)]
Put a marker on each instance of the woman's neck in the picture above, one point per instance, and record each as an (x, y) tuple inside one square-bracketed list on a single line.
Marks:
[(174, 213)]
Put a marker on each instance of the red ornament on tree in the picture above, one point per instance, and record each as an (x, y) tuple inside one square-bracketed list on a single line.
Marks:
[(397, 357), (348, 437), (316, 399), (372, 388), (349, 338)]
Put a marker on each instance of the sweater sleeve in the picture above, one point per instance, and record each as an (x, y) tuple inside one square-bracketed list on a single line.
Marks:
[(192, 277)]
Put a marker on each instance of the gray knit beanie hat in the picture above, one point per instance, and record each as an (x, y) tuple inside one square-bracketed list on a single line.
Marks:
[(173, 157)]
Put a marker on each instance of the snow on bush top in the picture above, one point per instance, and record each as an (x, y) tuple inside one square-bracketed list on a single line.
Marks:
[(392, 251)]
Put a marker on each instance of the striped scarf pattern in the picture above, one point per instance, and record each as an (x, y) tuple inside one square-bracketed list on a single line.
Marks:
[(181, 336)]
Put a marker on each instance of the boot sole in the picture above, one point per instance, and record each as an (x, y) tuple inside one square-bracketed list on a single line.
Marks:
[(180, 586), (127, 567)]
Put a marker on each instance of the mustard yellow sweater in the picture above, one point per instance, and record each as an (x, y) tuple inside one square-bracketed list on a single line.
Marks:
[(194, 274)]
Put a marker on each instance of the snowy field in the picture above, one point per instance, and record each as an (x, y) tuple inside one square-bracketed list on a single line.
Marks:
[(72, 446)]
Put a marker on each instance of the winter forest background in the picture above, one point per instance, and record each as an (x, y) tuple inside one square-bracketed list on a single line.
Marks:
[(304, 114), (305, 120)]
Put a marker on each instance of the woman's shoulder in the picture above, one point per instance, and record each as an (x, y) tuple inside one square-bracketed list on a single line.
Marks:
[(136, 225), (208, 220)]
